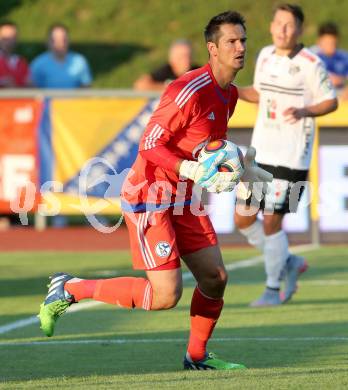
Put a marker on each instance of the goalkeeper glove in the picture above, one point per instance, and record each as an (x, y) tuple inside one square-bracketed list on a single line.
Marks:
[(203, 173), (225, 182), (253, 178)]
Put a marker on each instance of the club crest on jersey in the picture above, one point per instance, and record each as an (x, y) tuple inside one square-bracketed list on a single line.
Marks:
[(163, 249), (294, 69), (211, 116)]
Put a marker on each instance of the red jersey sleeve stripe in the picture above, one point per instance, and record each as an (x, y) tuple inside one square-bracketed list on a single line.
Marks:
[(189, 90), (188, 86), (192, 91), (149, 137), (150, 140), (153, 142)]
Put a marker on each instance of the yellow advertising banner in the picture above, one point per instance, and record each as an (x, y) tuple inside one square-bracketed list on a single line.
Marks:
[(104, 134)]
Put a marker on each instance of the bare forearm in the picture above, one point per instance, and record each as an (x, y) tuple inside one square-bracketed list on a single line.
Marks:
[(322, 108), (293, 114), (344, 93), (248, 94)]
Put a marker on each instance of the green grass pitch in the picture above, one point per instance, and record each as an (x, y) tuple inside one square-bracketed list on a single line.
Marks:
[(303, 344)]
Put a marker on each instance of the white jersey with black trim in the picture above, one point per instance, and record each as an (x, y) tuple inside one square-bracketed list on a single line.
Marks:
[(297, 80)]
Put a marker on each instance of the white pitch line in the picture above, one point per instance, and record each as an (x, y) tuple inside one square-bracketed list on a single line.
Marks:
[(34, 319), (18, 324), (325, 282), (186, 276), (170, 340)]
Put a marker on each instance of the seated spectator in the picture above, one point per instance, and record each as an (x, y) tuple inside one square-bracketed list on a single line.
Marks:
[(14, 70), (335, 60), (59, 67), (179, 62)]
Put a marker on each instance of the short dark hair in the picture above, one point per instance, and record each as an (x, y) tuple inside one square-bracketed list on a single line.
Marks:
[(212, 30), (8, 23), (294, 9), (328, 28), (57, 25)]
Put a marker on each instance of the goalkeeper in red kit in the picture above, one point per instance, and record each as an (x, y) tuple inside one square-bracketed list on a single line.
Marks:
[(164, 222)]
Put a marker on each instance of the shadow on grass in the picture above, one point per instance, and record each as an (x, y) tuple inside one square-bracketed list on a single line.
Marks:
[(37, 285), (256, 274), (329, 301), (27, 286), (139, 357)]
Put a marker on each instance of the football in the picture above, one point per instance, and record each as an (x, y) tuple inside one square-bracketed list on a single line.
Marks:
[(234, 158)]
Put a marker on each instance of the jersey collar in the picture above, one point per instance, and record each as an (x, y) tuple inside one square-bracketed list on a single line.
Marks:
[(294, 51), (223, 94)]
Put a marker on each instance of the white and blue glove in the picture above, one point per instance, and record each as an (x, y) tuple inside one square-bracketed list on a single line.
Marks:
[(203, 173), (224, 182), (254, 179)]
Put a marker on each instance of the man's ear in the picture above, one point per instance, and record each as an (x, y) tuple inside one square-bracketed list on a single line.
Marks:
[(211, 46)]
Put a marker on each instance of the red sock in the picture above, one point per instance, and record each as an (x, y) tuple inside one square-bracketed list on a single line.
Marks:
[(81, 288), (205, 312), (126, 291)]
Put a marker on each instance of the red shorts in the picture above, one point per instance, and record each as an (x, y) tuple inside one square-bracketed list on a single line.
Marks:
[(158, 237)]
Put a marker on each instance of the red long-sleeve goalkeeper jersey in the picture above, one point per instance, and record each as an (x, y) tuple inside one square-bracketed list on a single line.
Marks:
[(193, 111)]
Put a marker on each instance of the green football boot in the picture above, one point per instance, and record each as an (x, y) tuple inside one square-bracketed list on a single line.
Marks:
[(211, 362), (56, 302)]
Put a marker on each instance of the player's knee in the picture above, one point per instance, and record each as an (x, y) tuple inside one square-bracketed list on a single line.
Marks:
[(171, 301), (271, 226), (217, 279), (166, 299), (238, 221), (241, 221), (222, 278)]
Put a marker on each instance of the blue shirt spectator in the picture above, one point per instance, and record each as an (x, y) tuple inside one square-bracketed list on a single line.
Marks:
[(49, 72), (335, 60), (59, 67), (337, 63)]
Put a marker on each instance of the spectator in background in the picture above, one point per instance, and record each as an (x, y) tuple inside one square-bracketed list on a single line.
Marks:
[(59, 67), (179, 62), (14, 73), (14, 70), (335, 60)]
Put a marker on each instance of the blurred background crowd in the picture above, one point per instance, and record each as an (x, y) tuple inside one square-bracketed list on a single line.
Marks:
[(61, 67)]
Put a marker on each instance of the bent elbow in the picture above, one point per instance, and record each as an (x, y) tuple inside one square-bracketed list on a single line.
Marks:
[(334, 105)]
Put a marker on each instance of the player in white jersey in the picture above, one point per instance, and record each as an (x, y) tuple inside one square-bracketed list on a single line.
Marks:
[(291, 87)]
